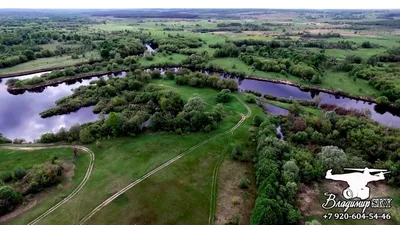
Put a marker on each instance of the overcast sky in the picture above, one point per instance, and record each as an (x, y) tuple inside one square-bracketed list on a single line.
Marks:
[(310, 4)]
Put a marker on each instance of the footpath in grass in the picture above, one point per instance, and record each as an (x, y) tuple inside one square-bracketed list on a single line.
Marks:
[(178, 194), (123, 160), (9, 159)]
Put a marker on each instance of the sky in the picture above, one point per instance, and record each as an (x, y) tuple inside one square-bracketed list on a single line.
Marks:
[(107, 4)]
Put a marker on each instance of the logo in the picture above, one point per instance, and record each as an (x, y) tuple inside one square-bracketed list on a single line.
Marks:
[(357, 196), (357, 181)]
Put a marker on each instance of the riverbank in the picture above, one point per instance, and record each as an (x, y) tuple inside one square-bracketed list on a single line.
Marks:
[(271, 80), (48, 69)]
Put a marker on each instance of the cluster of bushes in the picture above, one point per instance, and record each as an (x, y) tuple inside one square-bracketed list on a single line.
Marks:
[(197, 79), (385, 79), (17, 174), (277, 176), (132, 106), (365, 143), (331, 45), (321, 35), (173, 44), (27, 182), (85, 96)]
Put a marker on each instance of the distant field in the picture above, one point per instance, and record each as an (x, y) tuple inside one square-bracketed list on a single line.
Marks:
[(49, 62)]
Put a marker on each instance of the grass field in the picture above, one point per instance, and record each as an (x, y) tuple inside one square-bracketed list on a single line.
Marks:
[(49, 62), (121, 161), (10, 159), (179, 194)]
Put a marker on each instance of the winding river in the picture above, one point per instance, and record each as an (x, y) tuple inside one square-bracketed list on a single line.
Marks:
[(19, 114)]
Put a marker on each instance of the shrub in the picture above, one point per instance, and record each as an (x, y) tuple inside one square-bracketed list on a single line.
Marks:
[(236, 152), (6, 176), (383, 100), (250, 98), (178, 131), (257, 120), (243, 183), (236, 220), (223, 96), (8, 199), (235, 200), (19, 173)]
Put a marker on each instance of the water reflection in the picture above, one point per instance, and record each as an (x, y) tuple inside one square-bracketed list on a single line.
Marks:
[(19, 111), (19, 114)]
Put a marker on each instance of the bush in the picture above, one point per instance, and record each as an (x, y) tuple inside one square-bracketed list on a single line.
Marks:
[(257, 120), (243, 183), (224, 96), (236, 152), (383, 100), (250, 98), (8, 199), (19, 173), (6, 176), (235, 200)]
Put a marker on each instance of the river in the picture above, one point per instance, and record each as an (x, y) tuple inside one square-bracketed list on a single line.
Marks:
[(19, 114)]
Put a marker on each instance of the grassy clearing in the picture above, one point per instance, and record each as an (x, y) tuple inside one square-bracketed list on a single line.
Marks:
[(178, 194), (49, 62), (121, 161), (9, 159), (340, 80), (159, 58), (313, 111), (238, 65)]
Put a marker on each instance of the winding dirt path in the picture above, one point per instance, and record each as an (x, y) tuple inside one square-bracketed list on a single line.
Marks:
[(169, 162), (73, 193)]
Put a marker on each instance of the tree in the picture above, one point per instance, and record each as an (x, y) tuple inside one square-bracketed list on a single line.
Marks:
[(85, 136), (333, 158), (223, 96), (195, 103), (171, 102), (295, 108), (257, 120), (266, 211), (291, 170), (383, 100), (114, 122)]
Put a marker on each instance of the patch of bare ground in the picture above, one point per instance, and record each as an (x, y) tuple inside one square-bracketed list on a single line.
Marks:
[(308, 198), (31, 200), (230, 174)]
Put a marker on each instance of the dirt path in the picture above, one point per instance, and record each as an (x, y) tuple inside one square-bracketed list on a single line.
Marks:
[(211, 217), (169, 162), (73, 193)]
